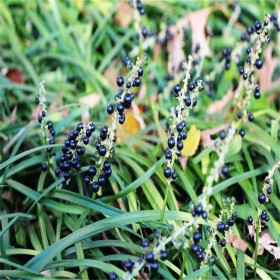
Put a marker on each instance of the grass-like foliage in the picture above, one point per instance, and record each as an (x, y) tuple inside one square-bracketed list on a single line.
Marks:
[(139, 140)]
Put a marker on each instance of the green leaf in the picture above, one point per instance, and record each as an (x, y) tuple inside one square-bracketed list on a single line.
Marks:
[(240, 265), (41, 260), (234, 146)]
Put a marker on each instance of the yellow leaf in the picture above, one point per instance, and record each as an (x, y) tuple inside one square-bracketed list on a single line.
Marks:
[(130, 127), (192, 142)]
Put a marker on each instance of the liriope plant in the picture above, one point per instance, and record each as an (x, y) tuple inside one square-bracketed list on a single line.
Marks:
[(189, 235)]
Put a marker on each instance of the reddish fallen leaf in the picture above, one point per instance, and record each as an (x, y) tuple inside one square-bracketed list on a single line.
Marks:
[(218, 105), (265, 73), (206, 135), (111, 73), (237, 242), (85, 116), (35, 113), (175, 48), (92, 100), (198, 21), (15, 75), (183, 161), (124, 14), (142, 92), (157, 51)]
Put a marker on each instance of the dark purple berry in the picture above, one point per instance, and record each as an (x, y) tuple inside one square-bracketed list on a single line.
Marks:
[(120, 81), (262, 198)]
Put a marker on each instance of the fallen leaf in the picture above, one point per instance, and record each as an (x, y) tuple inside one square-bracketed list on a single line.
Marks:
[(192, 141), (124, 14), (183, 162), (265, 73), (175, 49), (265, 241), (252, 230), (142, 91), (218, 105), (15, 75), (157, 51), (237, 242), (35, 113), (111, 73), (198, 21), (206, 135), (137, 115), (133, 123), (92, 100), (85, 116)]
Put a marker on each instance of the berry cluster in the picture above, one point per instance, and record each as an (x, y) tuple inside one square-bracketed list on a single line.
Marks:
[(274, 19), (257, 28), (227, 56), (98, 173), (45, 124), (264, 217), (198, 211), (150, 260), (195, 248), (243, 101), (205, 256), (187, 98), (73, 149), (146, 33), (139, 6), (225, 167)]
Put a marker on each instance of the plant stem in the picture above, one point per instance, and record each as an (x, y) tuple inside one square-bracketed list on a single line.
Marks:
[(165, 202), (256, 248)]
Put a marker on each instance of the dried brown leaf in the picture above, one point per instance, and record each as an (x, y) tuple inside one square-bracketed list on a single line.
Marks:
[(252, 230), (218, 106), (206, 135), (265, 241), (15, 75), (198, 21), (175, 50), (111, 73), (124, 14), (92, 100), (266, 238), (157, 51), (183, 161), (237, 242), (265, 73), (143, 91), (85, 116)]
